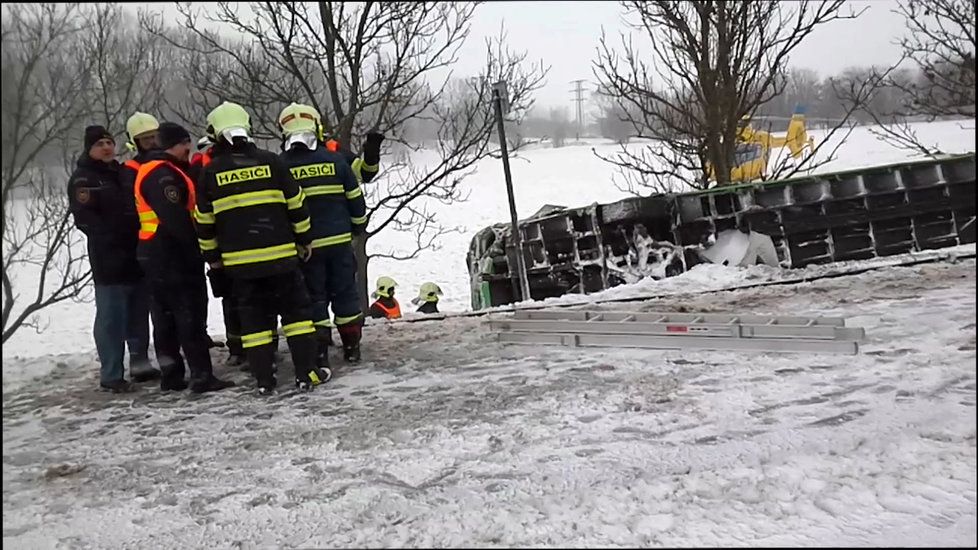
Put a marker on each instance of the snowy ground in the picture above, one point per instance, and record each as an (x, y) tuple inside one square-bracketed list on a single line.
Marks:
[(444, 438)]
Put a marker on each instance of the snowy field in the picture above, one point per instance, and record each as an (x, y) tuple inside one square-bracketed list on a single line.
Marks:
[(444, 438), (569, 176)]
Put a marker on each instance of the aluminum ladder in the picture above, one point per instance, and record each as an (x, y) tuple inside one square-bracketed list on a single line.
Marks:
[(679, 331)]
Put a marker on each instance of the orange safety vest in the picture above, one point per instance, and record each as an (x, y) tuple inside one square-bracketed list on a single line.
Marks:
[(390, 312), (148, 222), (131, 163)]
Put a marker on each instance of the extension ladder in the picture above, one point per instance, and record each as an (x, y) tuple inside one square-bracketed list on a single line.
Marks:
[(681, 331)]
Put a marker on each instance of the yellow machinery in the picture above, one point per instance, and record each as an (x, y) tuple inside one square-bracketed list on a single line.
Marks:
[(754, 147)]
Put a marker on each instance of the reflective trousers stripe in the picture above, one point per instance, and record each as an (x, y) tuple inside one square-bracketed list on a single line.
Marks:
[(347, 320), (256, 339), (334, 239), (297, 328)]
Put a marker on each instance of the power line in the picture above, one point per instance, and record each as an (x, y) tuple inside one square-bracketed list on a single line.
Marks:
[(578, 92)]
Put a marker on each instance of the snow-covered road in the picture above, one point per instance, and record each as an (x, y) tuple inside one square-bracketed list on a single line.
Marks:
[(444, 438)]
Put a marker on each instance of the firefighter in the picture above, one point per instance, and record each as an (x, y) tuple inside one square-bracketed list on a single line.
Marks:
[(338, 211), (428, 296), (252, 220), (386, 305), (171, 259), (219, 281)]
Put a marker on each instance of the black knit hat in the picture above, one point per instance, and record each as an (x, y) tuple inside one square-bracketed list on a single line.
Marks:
[(172, 134), (93, 134)]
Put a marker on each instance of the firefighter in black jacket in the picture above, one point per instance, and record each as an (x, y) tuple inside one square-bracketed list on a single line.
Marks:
[(252, 220), (338, 211), (171, 259)]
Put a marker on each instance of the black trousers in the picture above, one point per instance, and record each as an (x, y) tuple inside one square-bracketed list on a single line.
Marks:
[(232, 325), (259, 301), (177, 311)]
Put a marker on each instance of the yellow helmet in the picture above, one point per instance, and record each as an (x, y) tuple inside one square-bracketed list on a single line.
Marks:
[(385, 286), (298, 118), (139, 124), (228, 116), (429, 292)]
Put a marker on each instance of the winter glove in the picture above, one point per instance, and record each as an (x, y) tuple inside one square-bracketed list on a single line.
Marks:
[(371, 148), (220, 283)]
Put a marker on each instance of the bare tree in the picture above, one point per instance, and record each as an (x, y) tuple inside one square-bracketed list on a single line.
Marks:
[(44, 78), (713, 62), (126, 67), (64, 66), (369, 66), (935, 75)]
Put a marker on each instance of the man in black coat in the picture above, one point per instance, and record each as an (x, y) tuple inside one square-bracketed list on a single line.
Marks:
[(100, 208)]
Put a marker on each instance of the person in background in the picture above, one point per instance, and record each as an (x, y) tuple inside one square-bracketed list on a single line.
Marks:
[(99, 206), (386, 306), (428, 298), (171, 258)]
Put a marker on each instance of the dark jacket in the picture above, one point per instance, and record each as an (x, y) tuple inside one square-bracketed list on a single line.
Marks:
[(334, 198), (428, 307), (100, 208), (250, 213), (172, 256)]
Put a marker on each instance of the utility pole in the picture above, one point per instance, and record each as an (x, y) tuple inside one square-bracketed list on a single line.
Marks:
[(578, 92), (500, 101)]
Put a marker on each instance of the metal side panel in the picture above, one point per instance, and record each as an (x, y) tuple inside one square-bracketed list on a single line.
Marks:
[(673, 317), (700, 330), (683, 343)]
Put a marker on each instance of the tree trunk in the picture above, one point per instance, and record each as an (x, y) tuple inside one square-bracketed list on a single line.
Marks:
[(360, 252)]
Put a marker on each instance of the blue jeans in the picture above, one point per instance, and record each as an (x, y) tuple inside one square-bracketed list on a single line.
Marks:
[(121, 319)]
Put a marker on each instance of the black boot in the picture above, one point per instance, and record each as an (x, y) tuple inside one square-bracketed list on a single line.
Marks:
[(140, 370), (266, 387), (171, 378), (209, 383), (313, 378), (350, 336), (322, 348), (117, 386)]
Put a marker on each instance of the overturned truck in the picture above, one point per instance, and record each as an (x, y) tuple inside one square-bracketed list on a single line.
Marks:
[(851, 215)]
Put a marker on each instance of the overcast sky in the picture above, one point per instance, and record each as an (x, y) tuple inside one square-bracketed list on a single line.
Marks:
[(565, 36)]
